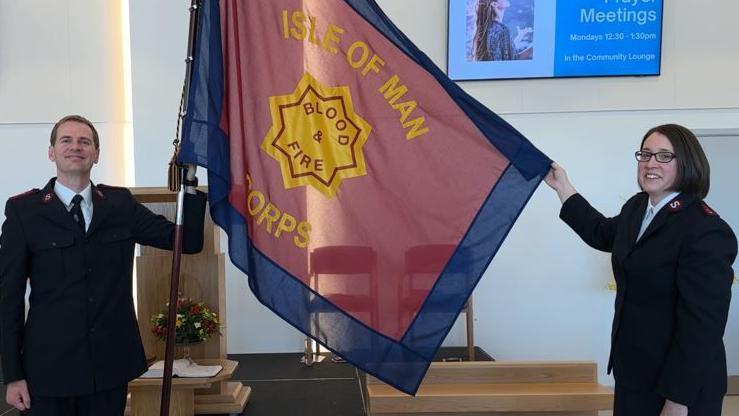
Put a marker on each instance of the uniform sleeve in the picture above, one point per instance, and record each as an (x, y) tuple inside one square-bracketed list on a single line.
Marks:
[(704, 278), (13, 276), (596, 230), (155, 230)]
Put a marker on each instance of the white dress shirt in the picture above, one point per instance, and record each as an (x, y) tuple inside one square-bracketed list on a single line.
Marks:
[(652, 210), (65, 195)]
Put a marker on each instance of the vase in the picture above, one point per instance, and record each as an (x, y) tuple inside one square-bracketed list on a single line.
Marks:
[(184, 347)]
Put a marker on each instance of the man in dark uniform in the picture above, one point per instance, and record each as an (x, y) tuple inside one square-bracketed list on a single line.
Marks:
[(74, 242)]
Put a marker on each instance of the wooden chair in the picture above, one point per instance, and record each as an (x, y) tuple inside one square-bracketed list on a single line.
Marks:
[(335, 275), (422, 263)]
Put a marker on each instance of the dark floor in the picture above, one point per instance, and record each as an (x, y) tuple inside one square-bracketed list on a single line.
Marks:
[(281, 385)]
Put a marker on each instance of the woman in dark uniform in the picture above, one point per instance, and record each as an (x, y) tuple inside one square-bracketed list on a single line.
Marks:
[(672, 259)]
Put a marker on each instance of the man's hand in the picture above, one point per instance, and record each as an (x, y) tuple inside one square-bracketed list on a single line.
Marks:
[(190, 179), (16, 395), (190, 171), (674, 409)]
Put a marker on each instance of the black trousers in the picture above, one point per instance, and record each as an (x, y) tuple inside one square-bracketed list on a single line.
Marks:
[(633, 403), (108, 403)]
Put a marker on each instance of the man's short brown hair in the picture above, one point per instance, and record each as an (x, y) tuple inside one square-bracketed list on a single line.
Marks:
[(78, 119)]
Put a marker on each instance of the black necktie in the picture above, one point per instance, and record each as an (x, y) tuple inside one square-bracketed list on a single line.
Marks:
[(76, 212)]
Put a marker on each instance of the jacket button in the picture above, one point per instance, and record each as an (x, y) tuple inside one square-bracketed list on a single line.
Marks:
[(53, 243)]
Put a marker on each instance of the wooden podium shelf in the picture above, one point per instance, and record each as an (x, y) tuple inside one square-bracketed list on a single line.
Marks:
[(146, 393)]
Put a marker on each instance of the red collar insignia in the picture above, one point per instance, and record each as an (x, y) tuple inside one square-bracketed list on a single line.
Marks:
[(47, 197), (675, 205)]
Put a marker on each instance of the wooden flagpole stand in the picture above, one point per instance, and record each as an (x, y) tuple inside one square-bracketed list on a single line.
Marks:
[(202, 278)]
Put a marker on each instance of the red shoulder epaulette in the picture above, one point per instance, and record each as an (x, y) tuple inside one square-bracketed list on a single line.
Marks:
[(29, 192), (102, 188), (708, 210), (120, 188)]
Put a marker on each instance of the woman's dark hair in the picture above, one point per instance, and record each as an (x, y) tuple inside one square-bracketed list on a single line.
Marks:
[(485, 17), (693, 171)]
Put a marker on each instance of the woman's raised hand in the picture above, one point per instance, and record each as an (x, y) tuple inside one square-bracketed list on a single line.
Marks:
[(557, 180)]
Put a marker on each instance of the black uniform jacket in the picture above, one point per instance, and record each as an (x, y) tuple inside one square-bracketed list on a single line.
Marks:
[(672, 301), (80, 335)]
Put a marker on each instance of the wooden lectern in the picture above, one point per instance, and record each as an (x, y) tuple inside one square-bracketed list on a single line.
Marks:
[(202, 278)]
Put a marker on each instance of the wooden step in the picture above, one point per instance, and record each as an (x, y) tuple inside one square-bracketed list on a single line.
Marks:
[(587, 413), (497, 388), (233, 402), (465, 398), (508, 372)]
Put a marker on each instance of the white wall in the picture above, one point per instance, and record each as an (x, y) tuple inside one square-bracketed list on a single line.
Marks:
[(722, 148), (58, 58), (158, 51), (545, 295)]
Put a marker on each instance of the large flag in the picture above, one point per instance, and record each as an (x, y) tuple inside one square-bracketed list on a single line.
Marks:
[(364, 193)]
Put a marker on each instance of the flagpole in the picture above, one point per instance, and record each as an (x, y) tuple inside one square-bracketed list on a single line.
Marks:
[(177, 184)]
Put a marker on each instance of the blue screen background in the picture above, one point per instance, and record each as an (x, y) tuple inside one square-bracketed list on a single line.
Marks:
[(571, 38)]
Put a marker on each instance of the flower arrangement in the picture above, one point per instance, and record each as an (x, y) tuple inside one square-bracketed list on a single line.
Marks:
[(195, 322)]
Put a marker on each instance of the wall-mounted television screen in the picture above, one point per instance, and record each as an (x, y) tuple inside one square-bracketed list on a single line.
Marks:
[(511, 39)]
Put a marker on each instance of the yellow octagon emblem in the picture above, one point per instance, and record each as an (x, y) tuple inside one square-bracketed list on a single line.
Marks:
[(316, 136)]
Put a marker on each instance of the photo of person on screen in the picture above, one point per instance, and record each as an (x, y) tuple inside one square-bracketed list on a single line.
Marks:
[(492, 40)]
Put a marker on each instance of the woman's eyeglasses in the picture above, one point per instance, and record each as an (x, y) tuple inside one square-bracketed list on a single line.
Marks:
[(661, 157)]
